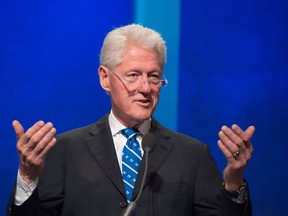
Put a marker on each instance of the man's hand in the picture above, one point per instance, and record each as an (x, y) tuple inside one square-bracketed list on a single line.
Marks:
[(235, 145), (32, 147)]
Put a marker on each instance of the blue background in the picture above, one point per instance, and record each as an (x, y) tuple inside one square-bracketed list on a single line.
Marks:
[(232, 61)]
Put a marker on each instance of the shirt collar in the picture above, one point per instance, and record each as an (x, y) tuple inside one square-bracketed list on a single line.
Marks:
[(116, 126)]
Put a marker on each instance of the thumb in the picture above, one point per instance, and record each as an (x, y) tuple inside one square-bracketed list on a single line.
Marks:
[(18, 129), (249, 133)]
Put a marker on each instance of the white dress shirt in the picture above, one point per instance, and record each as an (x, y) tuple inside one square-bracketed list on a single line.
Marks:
[(120, 140)]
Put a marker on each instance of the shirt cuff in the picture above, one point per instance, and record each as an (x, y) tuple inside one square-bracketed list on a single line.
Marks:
[(23, 190)]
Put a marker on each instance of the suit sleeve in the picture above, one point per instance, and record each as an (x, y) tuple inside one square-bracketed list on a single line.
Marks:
[(30, 207), (209, 197), (230, 207), (47, 198)]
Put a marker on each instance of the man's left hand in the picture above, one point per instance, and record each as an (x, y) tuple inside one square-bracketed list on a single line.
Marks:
[(236, 146)]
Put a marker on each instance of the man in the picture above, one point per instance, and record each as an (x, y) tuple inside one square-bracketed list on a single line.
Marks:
[(85, 172)]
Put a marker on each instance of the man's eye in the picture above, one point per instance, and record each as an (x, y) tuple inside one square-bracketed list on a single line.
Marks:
[(132, 75), (154, 76)]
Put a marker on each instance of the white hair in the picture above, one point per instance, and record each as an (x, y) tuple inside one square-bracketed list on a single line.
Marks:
[(117, 41)]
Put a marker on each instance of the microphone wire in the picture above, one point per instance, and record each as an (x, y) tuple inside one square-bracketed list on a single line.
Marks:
[(147, 149), (144, 175)]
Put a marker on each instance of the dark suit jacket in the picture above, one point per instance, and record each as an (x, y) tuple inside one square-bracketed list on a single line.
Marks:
[(82, 177)]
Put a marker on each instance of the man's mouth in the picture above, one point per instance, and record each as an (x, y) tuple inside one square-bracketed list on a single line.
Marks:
[(145, 102)]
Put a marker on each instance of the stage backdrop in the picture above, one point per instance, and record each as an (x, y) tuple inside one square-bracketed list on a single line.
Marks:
[(234, 69), (49, 53), (227, 64)]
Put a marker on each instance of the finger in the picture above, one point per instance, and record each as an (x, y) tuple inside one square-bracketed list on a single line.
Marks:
[(31, 161), (234, 137), (249, 133), (245, 135), (44, 152), (227, 153), (32, 130), (31, 138), (226, 140), (37, 160), (25, 138), (237, 136), (38, 135), (44, 142), (236, 163), (18, 129)]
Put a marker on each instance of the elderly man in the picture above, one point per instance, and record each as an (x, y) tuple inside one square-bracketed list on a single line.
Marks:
[(97, 169)]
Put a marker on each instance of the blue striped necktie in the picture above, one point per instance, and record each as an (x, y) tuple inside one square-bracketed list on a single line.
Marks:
[(131, 160)]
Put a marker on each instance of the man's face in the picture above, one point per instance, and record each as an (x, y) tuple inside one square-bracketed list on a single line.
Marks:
[(133, 103)]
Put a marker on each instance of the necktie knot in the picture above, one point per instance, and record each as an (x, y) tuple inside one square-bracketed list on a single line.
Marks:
[(130, 133)]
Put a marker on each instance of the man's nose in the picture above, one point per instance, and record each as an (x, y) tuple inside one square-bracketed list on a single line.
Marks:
[(145, 85)]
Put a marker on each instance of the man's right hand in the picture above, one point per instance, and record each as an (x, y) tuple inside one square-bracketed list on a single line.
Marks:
[(32, 147)]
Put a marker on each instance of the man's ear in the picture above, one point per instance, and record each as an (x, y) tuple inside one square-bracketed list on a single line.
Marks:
[(104, 78)]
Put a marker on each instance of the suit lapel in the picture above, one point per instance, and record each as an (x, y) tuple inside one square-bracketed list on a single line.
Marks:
[(102, 147)]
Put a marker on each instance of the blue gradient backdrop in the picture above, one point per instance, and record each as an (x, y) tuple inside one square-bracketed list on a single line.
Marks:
[(232, 68)]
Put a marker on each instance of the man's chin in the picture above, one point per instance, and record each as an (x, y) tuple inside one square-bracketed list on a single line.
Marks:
[(141, 118)]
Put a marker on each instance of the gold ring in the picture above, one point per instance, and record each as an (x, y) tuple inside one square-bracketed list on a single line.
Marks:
[(236, 154)]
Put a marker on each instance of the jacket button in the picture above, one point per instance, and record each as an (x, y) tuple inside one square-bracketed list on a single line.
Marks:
[(123, 204)]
